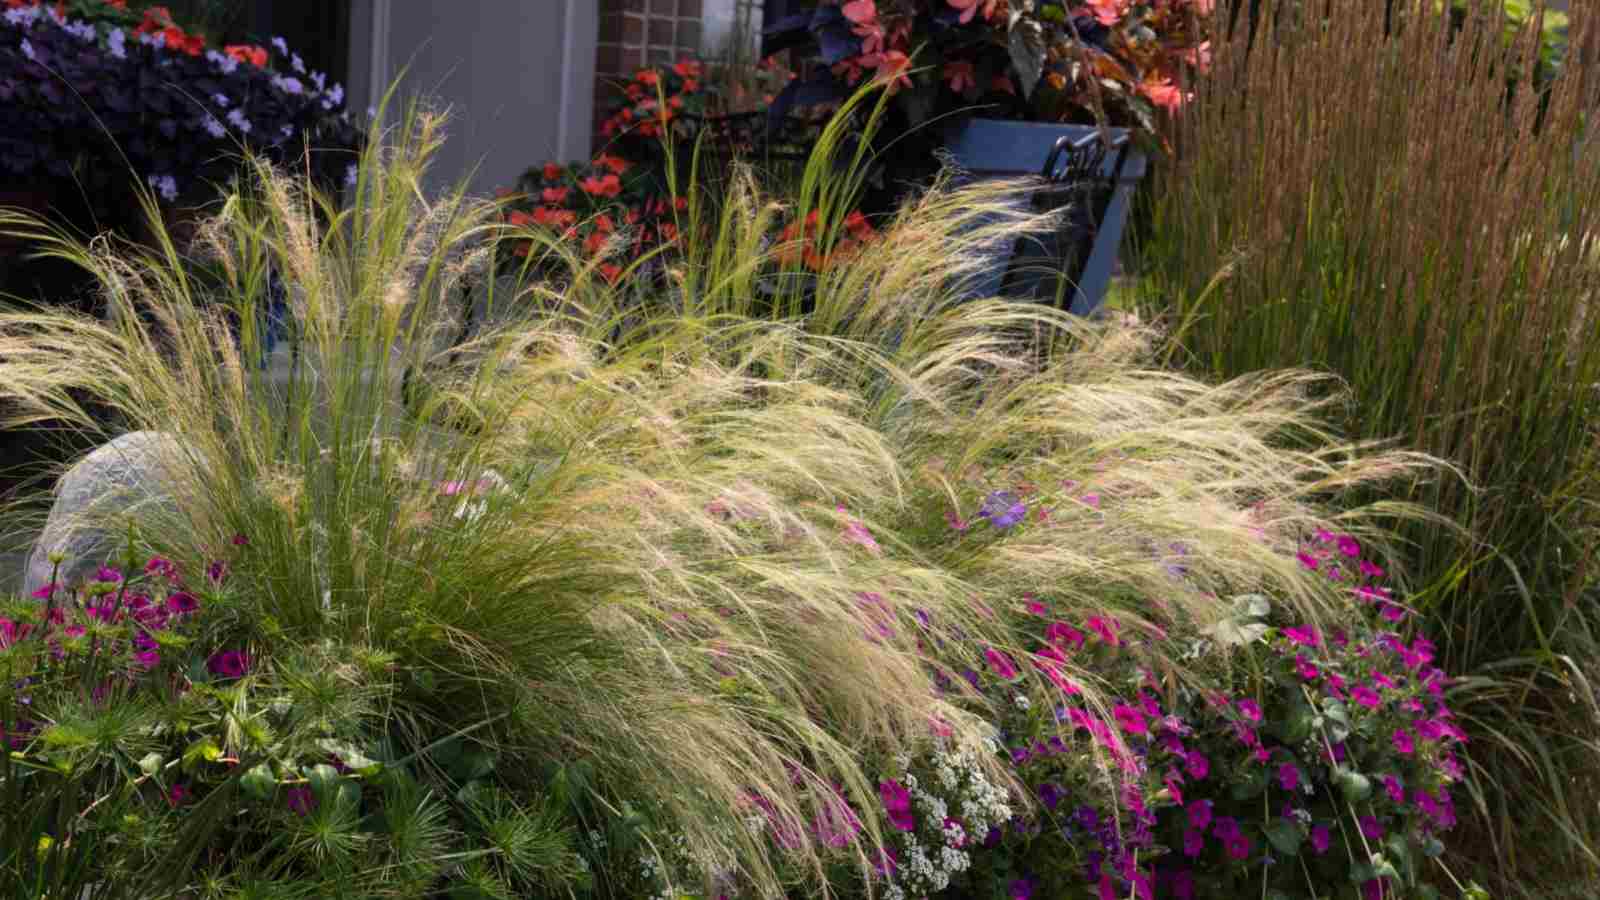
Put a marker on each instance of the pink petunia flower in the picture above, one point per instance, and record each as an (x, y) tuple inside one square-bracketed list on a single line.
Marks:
[(897, 803)]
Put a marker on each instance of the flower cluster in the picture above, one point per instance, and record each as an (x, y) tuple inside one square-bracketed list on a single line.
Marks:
[(115, 85), (940, 808), (1053, 61)]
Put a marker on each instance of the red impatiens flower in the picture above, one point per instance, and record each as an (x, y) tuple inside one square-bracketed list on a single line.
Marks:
[(552, 171), (961, 75), (246, 53), (615, 164), (602, 186), (554, 196)]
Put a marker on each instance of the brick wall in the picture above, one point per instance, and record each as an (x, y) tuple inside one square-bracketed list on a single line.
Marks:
[(634, 33)]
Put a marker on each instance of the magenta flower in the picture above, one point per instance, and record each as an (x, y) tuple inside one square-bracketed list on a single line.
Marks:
[(1199, 815), (886, 863), (177, 795), (1371, 570), (1238, 847), (240, 540), (1402, 741), (836, 824), (1193, 842), (1106, 628), (1130, 719), (1304, 636), (1372, 889), (1307, 560), (1020, 889), (897, 803), (1365, 696), (1250, 709), (1392, 786), (161, 568), (857, 533), (44, 591), (147, 659), (182, 603), (1324, 536), (1196, 764), (1393, 612), (217, 571), (1349, 546), (1305, 669), (1000, 664), (956, 522), (1288, 776), (1371, 827), (1320, 839), (1226, 828), (229, 664), (108, 574), (1061, 634)]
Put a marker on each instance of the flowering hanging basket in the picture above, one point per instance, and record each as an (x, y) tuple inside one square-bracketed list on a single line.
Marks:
[(113, 96)]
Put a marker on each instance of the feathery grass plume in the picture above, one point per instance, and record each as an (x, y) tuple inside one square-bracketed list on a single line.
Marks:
[(1395, 206), (559, 563)]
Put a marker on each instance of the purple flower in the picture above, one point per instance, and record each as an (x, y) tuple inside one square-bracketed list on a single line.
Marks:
[(1196, 764), (108, 574), (1288, 776), (300, 799), (1049, 795), (182, 603), (1226, 828), (1238, 847), (1021, 889), (897, 803), (44, 591), (1199, 814), (1392, 786), (177, 795), (1003, 509), (1320, 839), (161, 568), (1250, 709), (229, 664), (1194, 841)]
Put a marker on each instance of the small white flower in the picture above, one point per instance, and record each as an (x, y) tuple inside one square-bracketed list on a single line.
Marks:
[(1022, 701), (237, 120), (83, 31), (350, 173), (213, 126), (296, 63), (221, 100), (117, 41), (334, 97)]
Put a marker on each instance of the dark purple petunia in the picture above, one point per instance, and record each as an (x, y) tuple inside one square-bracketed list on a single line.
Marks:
[(229, 664), (1003, 509)]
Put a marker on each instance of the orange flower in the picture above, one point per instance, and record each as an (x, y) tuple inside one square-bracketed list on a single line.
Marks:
[(858, 226), (891, 68), (519, 219), (961, 75), (174, 37), (245, 53), (1163, 93)]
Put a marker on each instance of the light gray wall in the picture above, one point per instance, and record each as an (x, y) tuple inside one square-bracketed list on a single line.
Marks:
[(518, 76)]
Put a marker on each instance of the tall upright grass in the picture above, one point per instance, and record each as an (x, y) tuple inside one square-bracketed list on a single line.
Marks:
[(1382, 200), (627, 526)]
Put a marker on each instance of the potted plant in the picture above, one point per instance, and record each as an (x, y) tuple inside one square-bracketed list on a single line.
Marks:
[(999, 83)]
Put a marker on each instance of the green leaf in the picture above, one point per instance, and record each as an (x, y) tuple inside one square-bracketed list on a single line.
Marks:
[(1285, 837), (324, 781), (151, 763), (1297, 727), (1251, 786), (1355, 786), (203, 750), (350, 756), (1432, 848), (1025, 41), (259, 782)]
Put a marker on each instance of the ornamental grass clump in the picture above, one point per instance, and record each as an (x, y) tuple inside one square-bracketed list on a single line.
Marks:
[(1425, 231), (699, 563)]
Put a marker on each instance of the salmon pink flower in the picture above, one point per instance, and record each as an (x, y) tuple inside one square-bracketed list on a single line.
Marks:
[(972, 8), (860, 11)]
